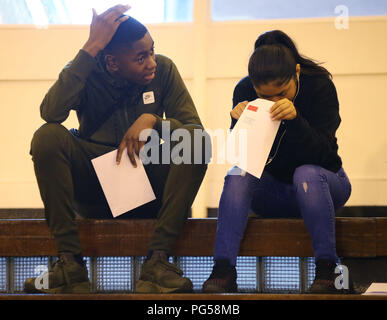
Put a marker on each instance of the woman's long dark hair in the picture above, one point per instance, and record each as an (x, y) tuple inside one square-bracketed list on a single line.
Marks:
[(275, 57), (272, 63)]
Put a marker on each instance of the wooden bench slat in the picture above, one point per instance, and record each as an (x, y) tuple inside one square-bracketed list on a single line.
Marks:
[(223, 297), (381, 236), (355, 237), (276, 237)]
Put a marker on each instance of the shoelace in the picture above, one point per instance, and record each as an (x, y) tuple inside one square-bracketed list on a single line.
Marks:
[(60, 263), (171, 267)]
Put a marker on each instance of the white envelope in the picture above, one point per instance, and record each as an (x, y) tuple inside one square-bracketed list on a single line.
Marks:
[(376, 288), (258, 132), (124, 186)]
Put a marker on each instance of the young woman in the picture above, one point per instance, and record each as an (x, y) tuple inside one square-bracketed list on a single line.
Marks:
[(303, 176)]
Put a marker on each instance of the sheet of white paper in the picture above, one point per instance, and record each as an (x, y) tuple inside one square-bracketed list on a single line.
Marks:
[(124, 186), (376, 288), (260, 130)]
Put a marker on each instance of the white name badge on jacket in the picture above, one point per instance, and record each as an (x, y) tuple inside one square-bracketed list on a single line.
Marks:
[(148, 97)]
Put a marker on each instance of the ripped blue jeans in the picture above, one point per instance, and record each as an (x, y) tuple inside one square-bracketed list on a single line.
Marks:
[(314, 195)]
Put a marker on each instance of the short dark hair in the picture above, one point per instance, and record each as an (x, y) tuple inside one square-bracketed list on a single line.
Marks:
[(127, 33)]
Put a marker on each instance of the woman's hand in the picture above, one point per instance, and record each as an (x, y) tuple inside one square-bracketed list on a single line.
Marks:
[(237, 111), (283, 110)]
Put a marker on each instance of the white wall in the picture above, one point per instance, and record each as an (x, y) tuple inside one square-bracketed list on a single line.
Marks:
[(211, 57)]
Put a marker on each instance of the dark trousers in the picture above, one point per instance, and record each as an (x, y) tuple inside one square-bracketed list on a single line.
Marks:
[(314, 195), (68, 184)]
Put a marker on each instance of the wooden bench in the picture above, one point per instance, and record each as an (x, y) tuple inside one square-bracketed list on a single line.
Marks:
[(355, 237)]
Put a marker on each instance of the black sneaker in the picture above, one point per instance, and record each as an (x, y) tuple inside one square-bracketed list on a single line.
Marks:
[(66, 276), (325, 279), (158, 275), (222, 279)]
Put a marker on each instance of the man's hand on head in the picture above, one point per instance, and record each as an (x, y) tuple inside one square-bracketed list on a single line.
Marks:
[(103, 28), (131, 140)]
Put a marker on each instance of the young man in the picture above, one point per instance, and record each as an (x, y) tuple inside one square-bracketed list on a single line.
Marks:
[(118, 87)]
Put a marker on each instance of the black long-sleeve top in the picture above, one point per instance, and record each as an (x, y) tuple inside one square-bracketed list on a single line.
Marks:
[(310, 138)]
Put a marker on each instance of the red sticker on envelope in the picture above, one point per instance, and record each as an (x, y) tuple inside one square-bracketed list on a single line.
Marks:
[(252, 108)]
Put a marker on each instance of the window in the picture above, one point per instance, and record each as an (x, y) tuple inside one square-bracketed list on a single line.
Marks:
[(44, 12), (284, 9), (119, 274)]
